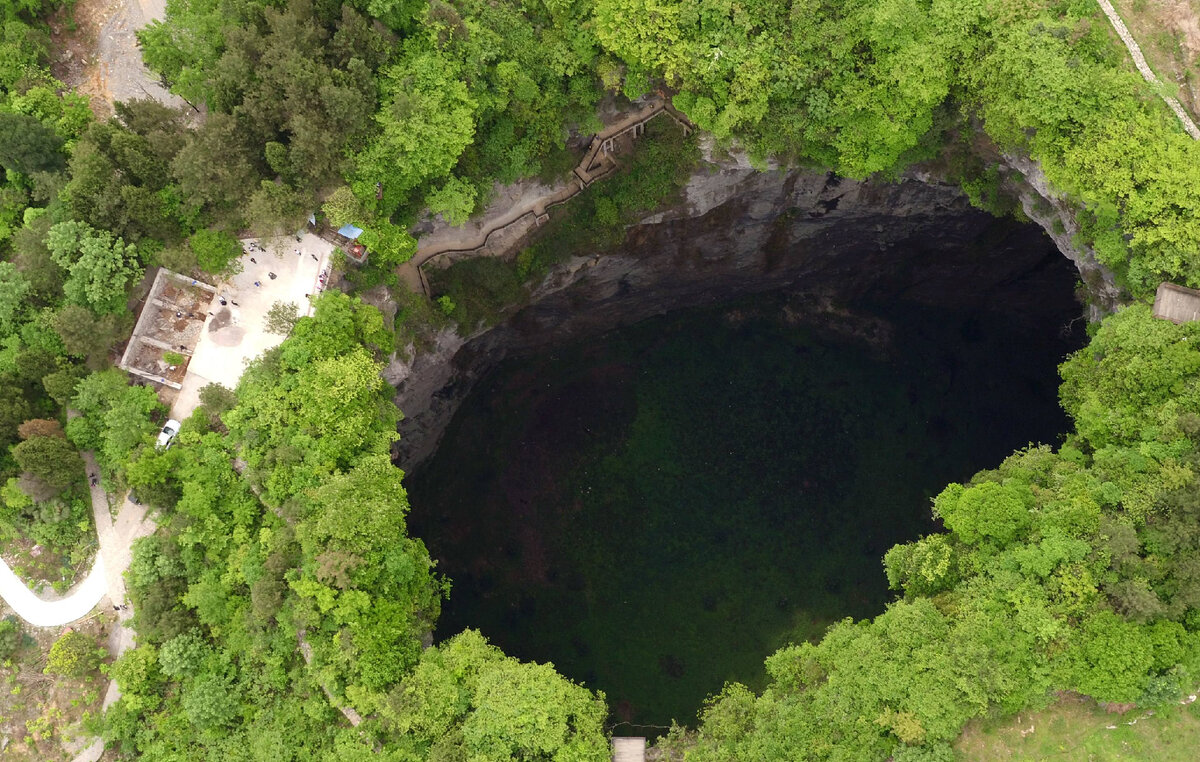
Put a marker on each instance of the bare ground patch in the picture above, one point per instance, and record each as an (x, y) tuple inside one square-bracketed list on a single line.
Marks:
[(1168, 32), (40, 714), (97, 53)]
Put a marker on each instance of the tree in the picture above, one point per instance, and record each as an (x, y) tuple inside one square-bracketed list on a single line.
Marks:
[(10, 637), (217, 399), (1111, 658), (114, 417), (27, 146), (14, 288), (85, 334), (210, 702), (454, 200), (277, 208), (25, 48), (1133, 365), (214, 168), (281, 317), (987, 510), (73, 655), (150, 472), (41, 427), (343, 207), (60, 385), (100, 268), (529, 711), (360, 512), (183, 655), (120, 180), (466, 699), (426, 122), (647, 34), (924, 567), (137, 675), (52, 459), (33, 259), (215, 250), (46, 99)]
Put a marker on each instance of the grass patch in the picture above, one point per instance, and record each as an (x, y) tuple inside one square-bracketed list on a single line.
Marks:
[(1075, 728)]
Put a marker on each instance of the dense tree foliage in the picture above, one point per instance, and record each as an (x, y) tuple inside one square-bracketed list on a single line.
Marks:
[(1048, 579), (869, 86), (283, 585), (74, 655), (264, 590), (427, 108)]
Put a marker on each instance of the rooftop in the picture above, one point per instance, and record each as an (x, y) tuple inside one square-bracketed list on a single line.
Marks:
[(1176, 303)]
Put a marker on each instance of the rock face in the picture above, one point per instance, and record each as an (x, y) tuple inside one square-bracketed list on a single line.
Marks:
[(1045, 207), (835, 243)]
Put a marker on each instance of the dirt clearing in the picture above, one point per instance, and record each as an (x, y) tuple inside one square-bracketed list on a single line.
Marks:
[(97, 53)]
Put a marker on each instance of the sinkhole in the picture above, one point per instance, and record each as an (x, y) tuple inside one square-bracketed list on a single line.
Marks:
[(658, 508)]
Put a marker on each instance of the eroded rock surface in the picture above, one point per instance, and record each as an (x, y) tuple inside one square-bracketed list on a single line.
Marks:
[(735, 230)]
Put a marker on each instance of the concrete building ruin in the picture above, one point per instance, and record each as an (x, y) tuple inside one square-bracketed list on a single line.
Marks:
[(170, 323)]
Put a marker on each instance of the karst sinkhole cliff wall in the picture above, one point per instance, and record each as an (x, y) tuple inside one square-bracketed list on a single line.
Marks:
[(735, 230)]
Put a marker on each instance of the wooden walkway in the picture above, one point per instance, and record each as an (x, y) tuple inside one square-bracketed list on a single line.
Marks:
[(1176, 303), (596, 164)]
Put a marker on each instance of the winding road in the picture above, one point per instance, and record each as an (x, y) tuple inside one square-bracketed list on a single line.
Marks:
[(105, 577), (41, 613)]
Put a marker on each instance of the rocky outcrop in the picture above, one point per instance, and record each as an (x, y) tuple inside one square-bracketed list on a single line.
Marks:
[(736, 230), (1056, 217)]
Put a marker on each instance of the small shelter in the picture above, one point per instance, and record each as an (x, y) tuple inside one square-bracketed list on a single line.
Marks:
[(346, 238), (1176, 303)]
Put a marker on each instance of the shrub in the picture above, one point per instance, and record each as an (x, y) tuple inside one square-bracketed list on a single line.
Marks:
[(10, 637), (73, 655)]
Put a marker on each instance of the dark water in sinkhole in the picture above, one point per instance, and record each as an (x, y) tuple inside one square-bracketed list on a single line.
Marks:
[(658, 509)]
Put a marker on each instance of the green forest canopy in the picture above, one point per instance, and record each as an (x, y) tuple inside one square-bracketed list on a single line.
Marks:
[(1069, 569)]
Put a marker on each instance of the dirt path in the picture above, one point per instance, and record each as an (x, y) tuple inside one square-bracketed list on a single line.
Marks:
[(1147, 73), (528, 206), (101, 58)]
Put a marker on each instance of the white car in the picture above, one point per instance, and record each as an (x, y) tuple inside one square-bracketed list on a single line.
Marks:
[(167, 435)]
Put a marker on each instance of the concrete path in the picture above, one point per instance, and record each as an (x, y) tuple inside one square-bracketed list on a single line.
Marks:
[(1147, 73), (104, 577), (78, 603)]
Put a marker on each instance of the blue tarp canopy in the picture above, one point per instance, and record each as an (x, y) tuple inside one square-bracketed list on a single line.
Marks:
[(350, 231)]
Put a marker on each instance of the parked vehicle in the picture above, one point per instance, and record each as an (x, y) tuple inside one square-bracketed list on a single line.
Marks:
[(166, 437)]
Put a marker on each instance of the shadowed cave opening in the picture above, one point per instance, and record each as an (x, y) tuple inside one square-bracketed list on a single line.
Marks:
[(658, 508)]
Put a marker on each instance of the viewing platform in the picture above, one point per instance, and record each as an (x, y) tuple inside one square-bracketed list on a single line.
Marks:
[(1176, 303), (629, 750)]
